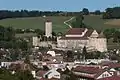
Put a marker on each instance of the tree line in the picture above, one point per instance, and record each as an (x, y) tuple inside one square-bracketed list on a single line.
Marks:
[(112, 33), (112, 13), (35, 13)]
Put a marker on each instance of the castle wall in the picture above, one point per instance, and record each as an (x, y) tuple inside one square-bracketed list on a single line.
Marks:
[(100, 44), (35, 41), (72, 43)]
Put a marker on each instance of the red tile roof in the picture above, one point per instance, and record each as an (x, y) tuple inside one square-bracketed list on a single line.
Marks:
[(86, 69), (75, 31), (88, 33), (41, 73), (112, 65), (111, 78), (74, 38)]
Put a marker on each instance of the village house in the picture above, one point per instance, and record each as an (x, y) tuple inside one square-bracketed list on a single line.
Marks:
[(53, 73), (97, 72)]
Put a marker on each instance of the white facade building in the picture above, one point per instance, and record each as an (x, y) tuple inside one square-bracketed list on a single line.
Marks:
[(48, 29), (77, 38), (36, 40), (52, 74)]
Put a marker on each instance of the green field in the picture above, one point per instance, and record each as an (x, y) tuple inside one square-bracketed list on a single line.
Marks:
[(36, 22), (58, 22)]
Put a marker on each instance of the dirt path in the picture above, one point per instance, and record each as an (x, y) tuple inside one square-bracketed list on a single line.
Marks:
[(68, 21)]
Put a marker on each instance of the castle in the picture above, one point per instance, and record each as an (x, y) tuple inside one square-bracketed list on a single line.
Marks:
[(76, 38)]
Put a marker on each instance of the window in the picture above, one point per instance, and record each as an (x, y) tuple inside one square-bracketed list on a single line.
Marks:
[(56, 75), (105, 75)]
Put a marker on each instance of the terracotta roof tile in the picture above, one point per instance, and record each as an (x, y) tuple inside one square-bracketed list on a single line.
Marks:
[(112, 65), (75, 31), (86, 69), (74, 38), (111, 78), (41, 73)]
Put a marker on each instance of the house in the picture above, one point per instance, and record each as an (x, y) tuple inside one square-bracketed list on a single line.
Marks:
[(48, 75), (7, 64), (40, 74), (89, 72), (52, 74), (111, 78), (77, 38), (52, 53)]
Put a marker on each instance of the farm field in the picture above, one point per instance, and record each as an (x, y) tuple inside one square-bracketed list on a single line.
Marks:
[(58, 22)]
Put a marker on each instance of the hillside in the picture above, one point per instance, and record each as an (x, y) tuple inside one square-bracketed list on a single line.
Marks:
[(36, 22), (58, 22)]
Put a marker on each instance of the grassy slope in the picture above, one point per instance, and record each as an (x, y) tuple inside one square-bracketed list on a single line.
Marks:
[(58, 23), (36, 22), (98, 23)]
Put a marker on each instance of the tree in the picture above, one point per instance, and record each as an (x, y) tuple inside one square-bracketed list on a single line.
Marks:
[(24, 75), (70, 54), (53, 34), (78, 23), (97, 12), (39, 32), (27, 60), (84, 52), (109, 33), (116, 36), (85, 11)]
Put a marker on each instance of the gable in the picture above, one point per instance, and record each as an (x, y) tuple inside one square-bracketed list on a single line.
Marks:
[(94, 34), (52, 74), (104, 75), (52, 71)]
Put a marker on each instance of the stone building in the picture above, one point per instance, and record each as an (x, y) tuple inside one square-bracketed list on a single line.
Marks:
[(48, 33), (48, 28), (77, 38)]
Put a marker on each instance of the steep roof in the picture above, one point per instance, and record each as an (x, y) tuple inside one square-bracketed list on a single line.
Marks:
[(101, 35)]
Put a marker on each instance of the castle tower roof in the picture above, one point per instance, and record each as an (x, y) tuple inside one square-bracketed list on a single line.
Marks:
[(101, 35)]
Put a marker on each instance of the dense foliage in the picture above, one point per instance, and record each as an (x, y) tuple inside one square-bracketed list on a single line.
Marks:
[(112, 13), (20, 75), (78, 23), (112, 33), (35, 13), (8, 40)]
